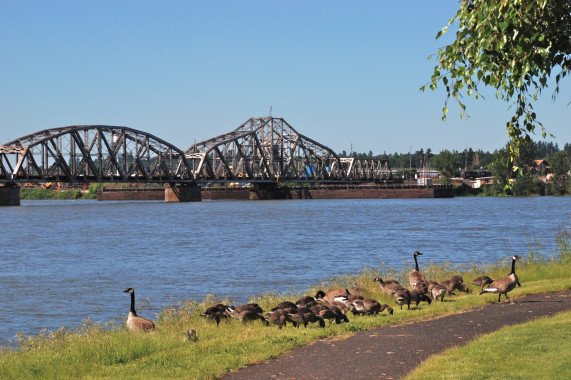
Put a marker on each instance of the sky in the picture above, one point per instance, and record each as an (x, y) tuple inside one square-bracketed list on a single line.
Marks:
[(346, 74)]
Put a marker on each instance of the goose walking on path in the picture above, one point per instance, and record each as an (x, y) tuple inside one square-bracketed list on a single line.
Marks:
[(134, 322), (505, 284)]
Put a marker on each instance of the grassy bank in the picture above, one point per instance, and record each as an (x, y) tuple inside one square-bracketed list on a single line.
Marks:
[(38, 193), (111, 351), (534, 350)]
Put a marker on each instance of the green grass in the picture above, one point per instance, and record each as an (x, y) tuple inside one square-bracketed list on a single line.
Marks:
[(540, 349), (111, 351)]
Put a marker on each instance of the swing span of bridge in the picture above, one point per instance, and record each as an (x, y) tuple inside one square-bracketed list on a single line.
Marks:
[(261, 150)]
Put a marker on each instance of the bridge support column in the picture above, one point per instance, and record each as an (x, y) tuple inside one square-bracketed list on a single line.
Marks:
[(10, 195), (182, 193), (265, 191)]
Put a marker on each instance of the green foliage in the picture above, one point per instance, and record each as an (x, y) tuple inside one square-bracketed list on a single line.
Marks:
[(560, 168), (447, 162), (511, 46)]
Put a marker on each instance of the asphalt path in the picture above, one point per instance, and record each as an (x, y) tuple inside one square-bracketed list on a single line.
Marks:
[(392, 352)]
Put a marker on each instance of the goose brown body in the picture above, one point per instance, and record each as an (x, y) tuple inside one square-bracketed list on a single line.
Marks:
[(134, 322), (388, 286), (505, 284), (416, 275), (332, 295), (482, 281)]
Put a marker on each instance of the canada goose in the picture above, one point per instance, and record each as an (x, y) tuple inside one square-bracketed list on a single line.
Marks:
[(388, 308), (402, 296), (354, 297), (134, 322), (416, 276), (247, 307), (430, 284), (368, 306), (357, 307), (190, 335), (332, 295), (339, 305), (249, 315), (457, 278), (278, 317), (285, 304), (482, 281), (340, 312), (451, 285), (505, 284), (417, 296), (216, 313), (326, 313), (388, 286), (421, 287), (304, 316), (312, 318), (438, 290), (307, 301)]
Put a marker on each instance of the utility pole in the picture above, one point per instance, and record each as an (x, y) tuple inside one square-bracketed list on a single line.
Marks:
[(410, 156)]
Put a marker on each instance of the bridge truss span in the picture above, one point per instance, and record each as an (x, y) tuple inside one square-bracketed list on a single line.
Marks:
[(265, 149), (93, 153)]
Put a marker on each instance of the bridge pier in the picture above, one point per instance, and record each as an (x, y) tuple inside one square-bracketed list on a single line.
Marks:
[(10, 195), (182, 193), (266, 191)]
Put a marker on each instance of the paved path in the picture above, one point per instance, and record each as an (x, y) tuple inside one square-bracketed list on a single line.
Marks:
[(391, 352)]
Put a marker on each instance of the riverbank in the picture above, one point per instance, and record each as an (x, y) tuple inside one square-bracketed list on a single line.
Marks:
[(393, 352), (110, 350)]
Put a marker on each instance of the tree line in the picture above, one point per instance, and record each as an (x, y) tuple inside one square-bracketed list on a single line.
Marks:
[(519, 177)]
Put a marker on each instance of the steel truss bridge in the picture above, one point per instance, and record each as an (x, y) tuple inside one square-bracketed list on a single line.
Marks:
[(261, 150)]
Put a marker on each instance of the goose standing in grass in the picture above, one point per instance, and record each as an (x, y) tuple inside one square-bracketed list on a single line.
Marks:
[(388, 286), (416, 275), (134, 322), (402, 296), (438, 290), (482, 281), (333, 295), (505, 284)]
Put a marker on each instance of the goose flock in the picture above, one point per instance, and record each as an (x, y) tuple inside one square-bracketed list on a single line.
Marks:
[(333, 305)]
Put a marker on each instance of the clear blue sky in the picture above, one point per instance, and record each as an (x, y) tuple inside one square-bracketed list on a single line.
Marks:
[(339, 72)]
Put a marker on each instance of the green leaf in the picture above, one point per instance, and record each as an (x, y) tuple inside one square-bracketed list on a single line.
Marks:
[(503, 26)]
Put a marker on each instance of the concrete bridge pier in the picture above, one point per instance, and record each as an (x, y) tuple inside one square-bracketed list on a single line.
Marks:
[(10, 195), (182, 193)]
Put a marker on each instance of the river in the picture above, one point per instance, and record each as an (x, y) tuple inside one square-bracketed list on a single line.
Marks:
[(64, 261)]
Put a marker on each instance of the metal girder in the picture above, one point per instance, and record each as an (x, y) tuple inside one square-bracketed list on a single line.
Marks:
[(265, 149), (262, 149), (92, 153)]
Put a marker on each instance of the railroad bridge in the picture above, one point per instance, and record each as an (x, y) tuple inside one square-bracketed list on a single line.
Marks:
[(262, 152)]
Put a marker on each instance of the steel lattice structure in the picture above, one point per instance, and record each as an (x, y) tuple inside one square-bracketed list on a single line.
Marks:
[(265, 149), (260, 150), (92, 153), (269, 149)]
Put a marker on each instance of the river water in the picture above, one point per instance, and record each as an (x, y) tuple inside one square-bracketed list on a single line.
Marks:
[(64, 261)]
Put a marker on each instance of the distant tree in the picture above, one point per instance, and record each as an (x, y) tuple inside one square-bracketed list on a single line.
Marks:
[(447, 163), (511, 46), (525, 183), (502, 169), (560, 167)]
